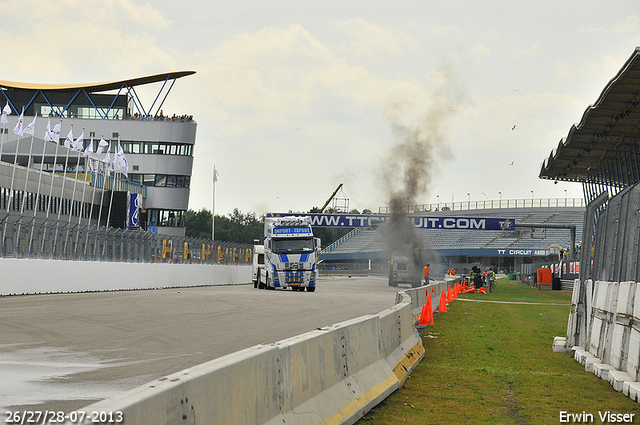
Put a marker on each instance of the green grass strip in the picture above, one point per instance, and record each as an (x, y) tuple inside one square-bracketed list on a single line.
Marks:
[(492, 363)]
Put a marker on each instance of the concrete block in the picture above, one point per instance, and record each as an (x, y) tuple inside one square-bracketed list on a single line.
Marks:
[(396, 326), (633, 358), (616, 354), (239, 388), (601, 370), (600, 295), (595, 336), (580, 354), (560, 345), (636, 303), (617, 378), (632, 390), (589, 361), (334, 375)]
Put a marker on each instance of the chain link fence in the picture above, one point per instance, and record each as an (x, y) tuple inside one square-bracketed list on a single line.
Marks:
[(28, 237)]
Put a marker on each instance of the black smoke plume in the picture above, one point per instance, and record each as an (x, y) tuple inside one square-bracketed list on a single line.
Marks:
[(421, 145)]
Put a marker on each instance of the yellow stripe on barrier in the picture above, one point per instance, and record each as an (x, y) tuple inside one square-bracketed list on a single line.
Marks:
[(401, 370), (365, 398)]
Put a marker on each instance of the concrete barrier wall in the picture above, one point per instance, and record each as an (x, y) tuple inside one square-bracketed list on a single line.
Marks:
[(612, 333), (31, 276), (332, 375)]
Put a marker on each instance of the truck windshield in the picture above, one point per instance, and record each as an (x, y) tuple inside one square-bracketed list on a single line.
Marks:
[(292, 245)]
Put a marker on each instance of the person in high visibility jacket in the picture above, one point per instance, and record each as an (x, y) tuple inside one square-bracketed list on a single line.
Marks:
[(425, 274)]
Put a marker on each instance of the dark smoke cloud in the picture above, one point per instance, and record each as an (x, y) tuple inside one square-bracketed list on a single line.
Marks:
[(421, 145)]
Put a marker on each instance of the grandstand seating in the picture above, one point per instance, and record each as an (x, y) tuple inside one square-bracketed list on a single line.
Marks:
[(370, 241)]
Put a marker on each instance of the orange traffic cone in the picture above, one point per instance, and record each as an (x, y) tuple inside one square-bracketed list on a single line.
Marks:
[(442, 306), (449, 295), (481, 290), (455, 290), (426, 317)]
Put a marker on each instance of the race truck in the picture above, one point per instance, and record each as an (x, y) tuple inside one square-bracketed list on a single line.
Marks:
[(290, 254), (403, 270)]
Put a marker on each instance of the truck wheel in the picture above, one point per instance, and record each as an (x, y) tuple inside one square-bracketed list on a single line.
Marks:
[(255, 282), (311, 288)]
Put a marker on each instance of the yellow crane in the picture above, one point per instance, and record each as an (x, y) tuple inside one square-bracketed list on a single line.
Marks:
[(330, 198)]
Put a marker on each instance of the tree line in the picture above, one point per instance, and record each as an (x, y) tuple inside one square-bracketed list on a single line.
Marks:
[(246, 227)]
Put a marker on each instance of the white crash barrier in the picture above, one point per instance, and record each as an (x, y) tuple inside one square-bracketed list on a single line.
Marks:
[(610, 329), (332, 375), (35, 276)]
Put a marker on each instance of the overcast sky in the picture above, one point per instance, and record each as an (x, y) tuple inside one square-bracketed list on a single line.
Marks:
[(294, 97)]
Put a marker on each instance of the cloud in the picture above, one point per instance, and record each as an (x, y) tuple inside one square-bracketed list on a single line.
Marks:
[(71, 41), (282, 94), (481, 50), (369, 39), (526, 51)]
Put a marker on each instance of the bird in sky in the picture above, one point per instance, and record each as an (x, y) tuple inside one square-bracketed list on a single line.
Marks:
[(513, 128), (512, 162)]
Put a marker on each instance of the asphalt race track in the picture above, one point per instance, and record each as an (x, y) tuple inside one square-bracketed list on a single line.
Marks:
[(66, 351)]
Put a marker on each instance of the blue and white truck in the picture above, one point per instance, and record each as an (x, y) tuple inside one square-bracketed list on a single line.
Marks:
[(290, 254)]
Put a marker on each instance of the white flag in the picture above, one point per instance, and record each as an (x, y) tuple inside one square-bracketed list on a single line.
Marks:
[(103, 144), (48, 136), (31, 128), (56, 133), (18, 128), (68, 142), (107, 160), (89, 150), (215, 175), (5, 112), (78, 145), (121, 163)]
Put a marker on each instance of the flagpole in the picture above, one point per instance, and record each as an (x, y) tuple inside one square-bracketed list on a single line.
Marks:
[(35, 208), (32, 128), (84, 188), (95, 178), (75, 180), (213, 207), (26, 177), (18, 131), (64, 177), (53, 177), (104, 188), (93, 196), (53, 173)]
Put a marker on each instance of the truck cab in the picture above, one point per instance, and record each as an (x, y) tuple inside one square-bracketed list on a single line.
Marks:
[(290, 254)]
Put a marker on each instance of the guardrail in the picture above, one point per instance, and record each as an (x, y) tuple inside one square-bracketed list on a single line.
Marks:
[(332, 375), (489, 204)]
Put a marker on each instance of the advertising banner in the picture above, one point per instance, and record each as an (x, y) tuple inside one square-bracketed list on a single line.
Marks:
[(420, 221), (135, 204)]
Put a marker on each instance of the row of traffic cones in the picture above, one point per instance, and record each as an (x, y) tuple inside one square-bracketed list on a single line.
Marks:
[(426, 316)]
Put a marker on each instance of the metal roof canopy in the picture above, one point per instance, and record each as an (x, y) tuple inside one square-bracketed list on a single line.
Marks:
[(602, 150), (88, 88)]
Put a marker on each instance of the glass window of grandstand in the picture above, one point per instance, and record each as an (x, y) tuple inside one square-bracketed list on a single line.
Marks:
[(155, 148), (167, 218), (160, 180), (149, 179), (132, 147), (116, 113)]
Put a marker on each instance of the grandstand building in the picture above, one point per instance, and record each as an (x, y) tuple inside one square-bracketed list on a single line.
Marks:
[(543, 234), (49, 181)]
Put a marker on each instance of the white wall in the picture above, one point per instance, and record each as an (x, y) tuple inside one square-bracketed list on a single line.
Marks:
[(28, 276)]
